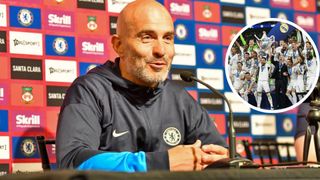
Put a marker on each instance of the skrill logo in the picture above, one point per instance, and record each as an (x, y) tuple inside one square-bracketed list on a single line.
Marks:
[(63, 20), (97, 48), (28, 121), (180, 9), (207, 34), (59, 20), (306, 21), (3, 94), (91, 47)]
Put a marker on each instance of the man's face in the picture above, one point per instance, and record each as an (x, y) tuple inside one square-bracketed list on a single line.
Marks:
[(285, 45), (294, 46), (239, 65), (281, 42), (247, 76), (251, 42), (148, 49), (289, 63), (281, 57), (233, 50), (254, 54), (246, 56), (308, 45)]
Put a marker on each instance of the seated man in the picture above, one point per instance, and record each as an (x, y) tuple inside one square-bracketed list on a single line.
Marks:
[(126, 116)]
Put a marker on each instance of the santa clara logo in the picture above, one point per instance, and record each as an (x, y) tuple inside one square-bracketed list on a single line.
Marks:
[(60, 45), (172, 136), (206, 12), (25, 17), (284, 27), (209, 56), (28, 147), (181, 31), (92, 25), (27, 96)]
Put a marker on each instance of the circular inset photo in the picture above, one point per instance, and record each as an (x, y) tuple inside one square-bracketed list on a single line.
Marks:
[(272, 65)]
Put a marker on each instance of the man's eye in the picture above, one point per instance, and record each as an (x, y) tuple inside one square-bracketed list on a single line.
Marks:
[(146, 38), (168, 39)]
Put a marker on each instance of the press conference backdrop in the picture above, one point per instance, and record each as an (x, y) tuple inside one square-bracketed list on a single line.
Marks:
[(46, 44)]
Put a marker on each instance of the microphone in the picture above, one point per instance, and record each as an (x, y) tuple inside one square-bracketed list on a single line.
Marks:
[(232, 161), (187, 76)]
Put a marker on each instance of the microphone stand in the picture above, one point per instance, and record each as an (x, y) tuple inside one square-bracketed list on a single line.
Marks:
[(232, 161), (313, 119)]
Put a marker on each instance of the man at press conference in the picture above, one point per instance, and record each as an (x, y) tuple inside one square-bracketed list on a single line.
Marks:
[(127, 116)]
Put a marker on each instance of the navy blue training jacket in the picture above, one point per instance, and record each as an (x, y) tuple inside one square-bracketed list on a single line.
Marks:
[(109, 123)]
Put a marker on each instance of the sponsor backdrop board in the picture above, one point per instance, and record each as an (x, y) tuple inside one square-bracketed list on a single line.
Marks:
[(45, 45)]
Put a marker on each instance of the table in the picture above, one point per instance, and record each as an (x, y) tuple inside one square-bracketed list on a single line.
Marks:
[(261, 174)]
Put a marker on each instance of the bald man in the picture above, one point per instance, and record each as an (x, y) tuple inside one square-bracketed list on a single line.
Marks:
[(126, 116)]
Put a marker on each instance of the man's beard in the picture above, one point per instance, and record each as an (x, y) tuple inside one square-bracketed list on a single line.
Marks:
[(142, 72)]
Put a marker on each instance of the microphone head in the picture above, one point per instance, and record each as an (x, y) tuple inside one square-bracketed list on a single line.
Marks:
[(187, 76)]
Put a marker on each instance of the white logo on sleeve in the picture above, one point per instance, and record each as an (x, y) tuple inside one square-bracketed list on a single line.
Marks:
[(115, 134), (172, 136)]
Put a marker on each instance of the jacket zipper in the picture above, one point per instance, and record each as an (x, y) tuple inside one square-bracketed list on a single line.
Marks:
[(148, 129)]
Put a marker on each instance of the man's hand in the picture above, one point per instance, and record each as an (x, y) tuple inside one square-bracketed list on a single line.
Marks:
[(186, 157), (213, 153), (193, 157)]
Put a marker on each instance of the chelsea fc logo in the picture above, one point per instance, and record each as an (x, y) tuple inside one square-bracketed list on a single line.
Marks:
[(28, 147), (287, 125), (60, 45), (209, 56), (172, 136), (25, 17), (181, 31)]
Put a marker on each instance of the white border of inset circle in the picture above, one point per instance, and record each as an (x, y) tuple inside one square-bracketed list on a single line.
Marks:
[(259, 22)]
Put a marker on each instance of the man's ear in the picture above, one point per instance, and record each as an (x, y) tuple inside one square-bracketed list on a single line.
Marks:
[(116, 44)]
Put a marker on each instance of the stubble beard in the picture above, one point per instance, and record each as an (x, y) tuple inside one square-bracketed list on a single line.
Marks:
[(144, 73)]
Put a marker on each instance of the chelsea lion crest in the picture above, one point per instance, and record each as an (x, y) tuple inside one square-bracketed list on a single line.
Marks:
[(172, 136)]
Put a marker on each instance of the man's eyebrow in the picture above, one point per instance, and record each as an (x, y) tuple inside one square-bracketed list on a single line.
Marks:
[(145, 32), (170, 33)]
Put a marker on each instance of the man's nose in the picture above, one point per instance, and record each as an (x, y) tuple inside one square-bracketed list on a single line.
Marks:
[(158, 49)]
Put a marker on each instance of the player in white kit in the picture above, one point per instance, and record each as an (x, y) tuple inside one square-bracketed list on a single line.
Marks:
[(311, 63), (237, 77), (291, 89), (249, 86), (263, 81), (300, 84)]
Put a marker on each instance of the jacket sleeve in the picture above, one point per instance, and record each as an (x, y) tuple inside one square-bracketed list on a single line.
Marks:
[(78, 139)]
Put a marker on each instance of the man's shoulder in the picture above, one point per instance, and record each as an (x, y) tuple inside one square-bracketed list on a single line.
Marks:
[(91, 79), (91, 82), (175, 88)]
